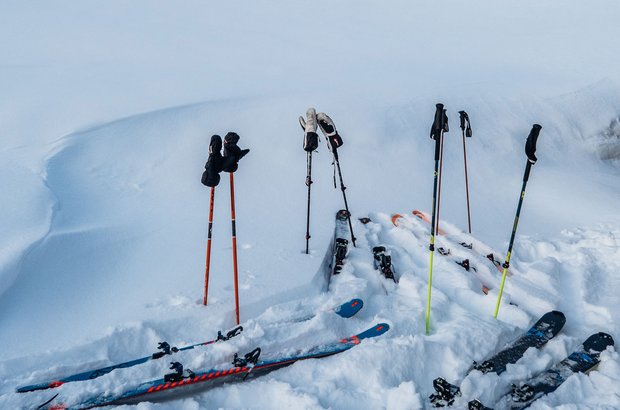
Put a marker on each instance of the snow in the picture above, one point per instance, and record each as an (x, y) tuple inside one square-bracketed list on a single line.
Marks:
[(106, 112)]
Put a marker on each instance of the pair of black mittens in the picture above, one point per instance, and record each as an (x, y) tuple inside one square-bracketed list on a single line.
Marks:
[(217, 163)]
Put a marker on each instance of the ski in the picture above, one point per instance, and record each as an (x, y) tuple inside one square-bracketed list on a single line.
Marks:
[(346, 310), (537, 336), (244, 368), (164, 350), (398, 219), (341, 242), (423, 216), (585, 358)]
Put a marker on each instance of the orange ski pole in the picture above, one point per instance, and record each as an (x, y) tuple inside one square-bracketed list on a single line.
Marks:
[(209, 245), (234, 244)]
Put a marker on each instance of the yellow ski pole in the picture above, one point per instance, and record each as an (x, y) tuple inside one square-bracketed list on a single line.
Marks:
[(530, 151), (440, 125)]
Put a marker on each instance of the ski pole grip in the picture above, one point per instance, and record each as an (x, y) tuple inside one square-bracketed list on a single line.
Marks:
[(437, 128), (530, 144)]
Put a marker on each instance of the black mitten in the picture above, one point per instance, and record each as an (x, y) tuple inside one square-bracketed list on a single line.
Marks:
[(215, 163), (232, 152)]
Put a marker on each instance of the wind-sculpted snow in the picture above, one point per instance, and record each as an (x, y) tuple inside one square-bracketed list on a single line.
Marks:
[(105, 116), (396, 370)]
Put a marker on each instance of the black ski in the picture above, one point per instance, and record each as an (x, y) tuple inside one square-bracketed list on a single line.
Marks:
[(341, 241), (543, 330), (582, 360)]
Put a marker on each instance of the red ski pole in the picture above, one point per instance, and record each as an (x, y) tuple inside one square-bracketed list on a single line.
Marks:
[(466, 130), (209, 245), (234, 244)]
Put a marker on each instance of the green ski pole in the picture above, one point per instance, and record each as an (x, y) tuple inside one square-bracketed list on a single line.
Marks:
[(530, 151), (440, 125)]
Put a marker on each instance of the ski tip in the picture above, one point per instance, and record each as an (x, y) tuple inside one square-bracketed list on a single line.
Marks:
[(598, 342), (376, 330), (350, 308), (395, 219), (41, 386), (555, 316), (381, 328)]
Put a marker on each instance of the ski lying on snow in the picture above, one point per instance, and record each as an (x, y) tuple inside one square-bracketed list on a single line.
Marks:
[(342, 237), (539, 334), (490, 256), (246, 368), (346, 310), (582, 360), (465, 264)]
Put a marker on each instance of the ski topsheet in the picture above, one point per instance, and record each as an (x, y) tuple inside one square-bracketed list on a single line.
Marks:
[(158, 389), (547, 327), (584, 359), (346, 310), (342, 236)]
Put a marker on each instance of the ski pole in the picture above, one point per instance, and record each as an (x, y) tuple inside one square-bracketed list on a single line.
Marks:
[(342, 188), (530, 151), (333, 142), (308, 183), (311, 142), (440, 125), (466, 130), (234, 244), (211, 201)]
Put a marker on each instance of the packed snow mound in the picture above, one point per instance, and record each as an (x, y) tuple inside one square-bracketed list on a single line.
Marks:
[(394, 371)]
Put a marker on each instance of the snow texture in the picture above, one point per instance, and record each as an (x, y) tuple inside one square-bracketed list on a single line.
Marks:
[(106, 112)]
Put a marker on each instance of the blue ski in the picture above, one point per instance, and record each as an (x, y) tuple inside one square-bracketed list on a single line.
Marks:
[(248, 367), (346, 310)]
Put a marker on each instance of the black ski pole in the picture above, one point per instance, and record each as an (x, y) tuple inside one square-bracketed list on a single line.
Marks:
[(308, 184), (342, 188), (311, 142), (333, 142), (467, 132), (530, 151), (440, 125)]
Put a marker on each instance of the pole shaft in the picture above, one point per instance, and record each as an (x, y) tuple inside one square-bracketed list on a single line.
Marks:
[(234, 244), (432, 242), (512, 237), (439, 188), (466, 184), (309, 184), (209, 234)]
